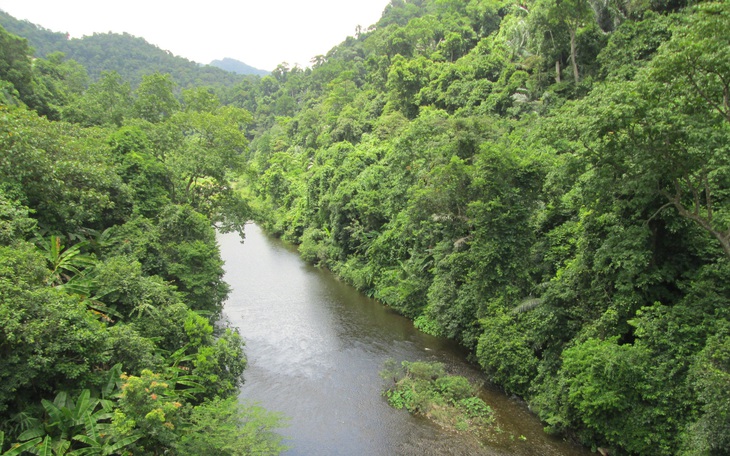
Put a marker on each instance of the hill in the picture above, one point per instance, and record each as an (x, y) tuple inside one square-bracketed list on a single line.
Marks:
[(546, 182), (238, 67), (130, 56)]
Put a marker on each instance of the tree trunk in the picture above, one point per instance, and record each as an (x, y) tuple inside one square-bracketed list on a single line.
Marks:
[(557, 70), (572, 56)]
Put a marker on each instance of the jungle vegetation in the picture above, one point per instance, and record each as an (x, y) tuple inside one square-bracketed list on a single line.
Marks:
[(545, 181), (111, 290)]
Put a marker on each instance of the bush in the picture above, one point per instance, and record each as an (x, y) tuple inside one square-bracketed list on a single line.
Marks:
[(449, 400)]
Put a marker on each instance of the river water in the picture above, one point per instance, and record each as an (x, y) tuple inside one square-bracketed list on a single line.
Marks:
[(315, 347)]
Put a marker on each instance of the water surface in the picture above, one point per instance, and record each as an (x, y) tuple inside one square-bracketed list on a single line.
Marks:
[(315, 347)]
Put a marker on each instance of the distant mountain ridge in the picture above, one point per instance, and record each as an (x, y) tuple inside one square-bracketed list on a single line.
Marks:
[(238, 67), (130, 56)]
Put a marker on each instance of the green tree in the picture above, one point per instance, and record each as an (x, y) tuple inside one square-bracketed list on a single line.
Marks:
[(16, 68), (209, 152), (106, 102), (154, 98), (667, 131), (556, 20), (49, 340)]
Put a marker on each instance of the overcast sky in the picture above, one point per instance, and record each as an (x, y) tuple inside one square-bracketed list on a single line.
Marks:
[(261, 33)]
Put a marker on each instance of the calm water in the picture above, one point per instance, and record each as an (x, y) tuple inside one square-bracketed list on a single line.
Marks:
[(315, 347)]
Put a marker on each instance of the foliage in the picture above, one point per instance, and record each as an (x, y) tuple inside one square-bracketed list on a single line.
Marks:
[(107, 263), (449, 400), (225, 427), (544, 182)]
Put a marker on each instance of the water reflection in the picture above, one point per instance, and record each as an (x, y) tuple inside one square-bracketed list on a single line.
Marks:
[(315, 347)]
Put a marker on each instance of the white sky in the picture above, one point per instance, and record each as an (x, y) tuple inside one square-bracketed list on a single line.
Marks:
[(261, 33)]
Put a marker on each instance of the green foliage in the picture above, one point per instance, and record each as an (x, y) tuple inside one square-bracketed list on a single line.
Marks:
[(108, 101), (225, 427), (155, 100), (147, 406), (15, 222), (65, 263), (425, 389), (60, 172), (16, 68), (190, 257), (48, 339), (709, 434), (545, 183), (118, 287), (505, 352)]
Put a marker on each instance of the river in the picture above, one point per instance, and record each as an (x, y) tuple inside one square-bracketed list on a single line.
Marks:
[(315, 347)]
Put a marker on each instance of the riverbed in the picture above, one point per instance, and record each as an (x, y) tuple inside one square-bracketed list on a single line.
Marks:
[(315, 347)]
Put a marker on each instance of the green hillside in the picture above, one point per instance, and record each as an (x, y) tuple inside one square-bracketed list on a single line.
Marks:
[(132, 57), (546, 182)]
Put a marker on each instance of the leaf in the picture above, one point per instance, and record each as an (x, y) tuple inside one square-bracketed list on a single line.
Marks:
[(61, 400), (527, 305), (83, 405), (85, 439), (17, 450), (113, 381), (54, 412), (32, 433), (62, 447), (122, 443), (91, 428), (46, 449)]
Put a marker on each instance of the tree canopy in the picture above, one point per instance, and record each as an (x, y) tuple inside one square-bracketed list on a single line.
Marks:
[(545, 182)]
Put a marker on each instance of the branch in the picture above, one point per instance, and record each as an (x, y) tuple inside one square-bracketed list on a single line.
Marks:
[(658, 211), (715, 106), (708, 194), (724, 238)]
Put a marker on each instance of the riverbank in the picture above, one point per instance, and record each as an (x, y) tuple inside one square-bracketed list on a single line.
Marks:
[(315, 348)]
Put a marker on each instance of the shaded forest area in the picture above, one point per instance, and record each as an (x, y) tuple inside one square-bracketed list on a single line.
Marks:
[(546, 182)]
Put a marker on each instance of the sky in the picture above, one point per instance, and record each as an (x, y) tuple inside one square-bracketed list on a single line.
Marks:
[(261, 33)]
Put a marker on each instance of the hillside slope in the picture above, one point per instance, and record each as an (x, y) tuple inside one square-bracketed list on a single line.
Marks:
[(547, 183), (130, 56)]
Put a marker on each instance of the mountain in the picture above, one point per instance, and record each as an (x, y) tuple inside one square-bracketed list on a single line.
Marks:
[(130, 56), (238, 67), (44, 41)]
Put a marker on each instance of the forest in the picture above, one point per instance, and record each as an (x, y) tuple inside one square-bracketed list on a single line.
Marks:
[(546, 182), (111, 290)]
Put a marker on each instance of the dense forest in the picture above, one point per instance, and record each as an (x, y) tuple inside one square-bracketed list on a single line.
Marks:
[(545, 181), (111, 290)]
